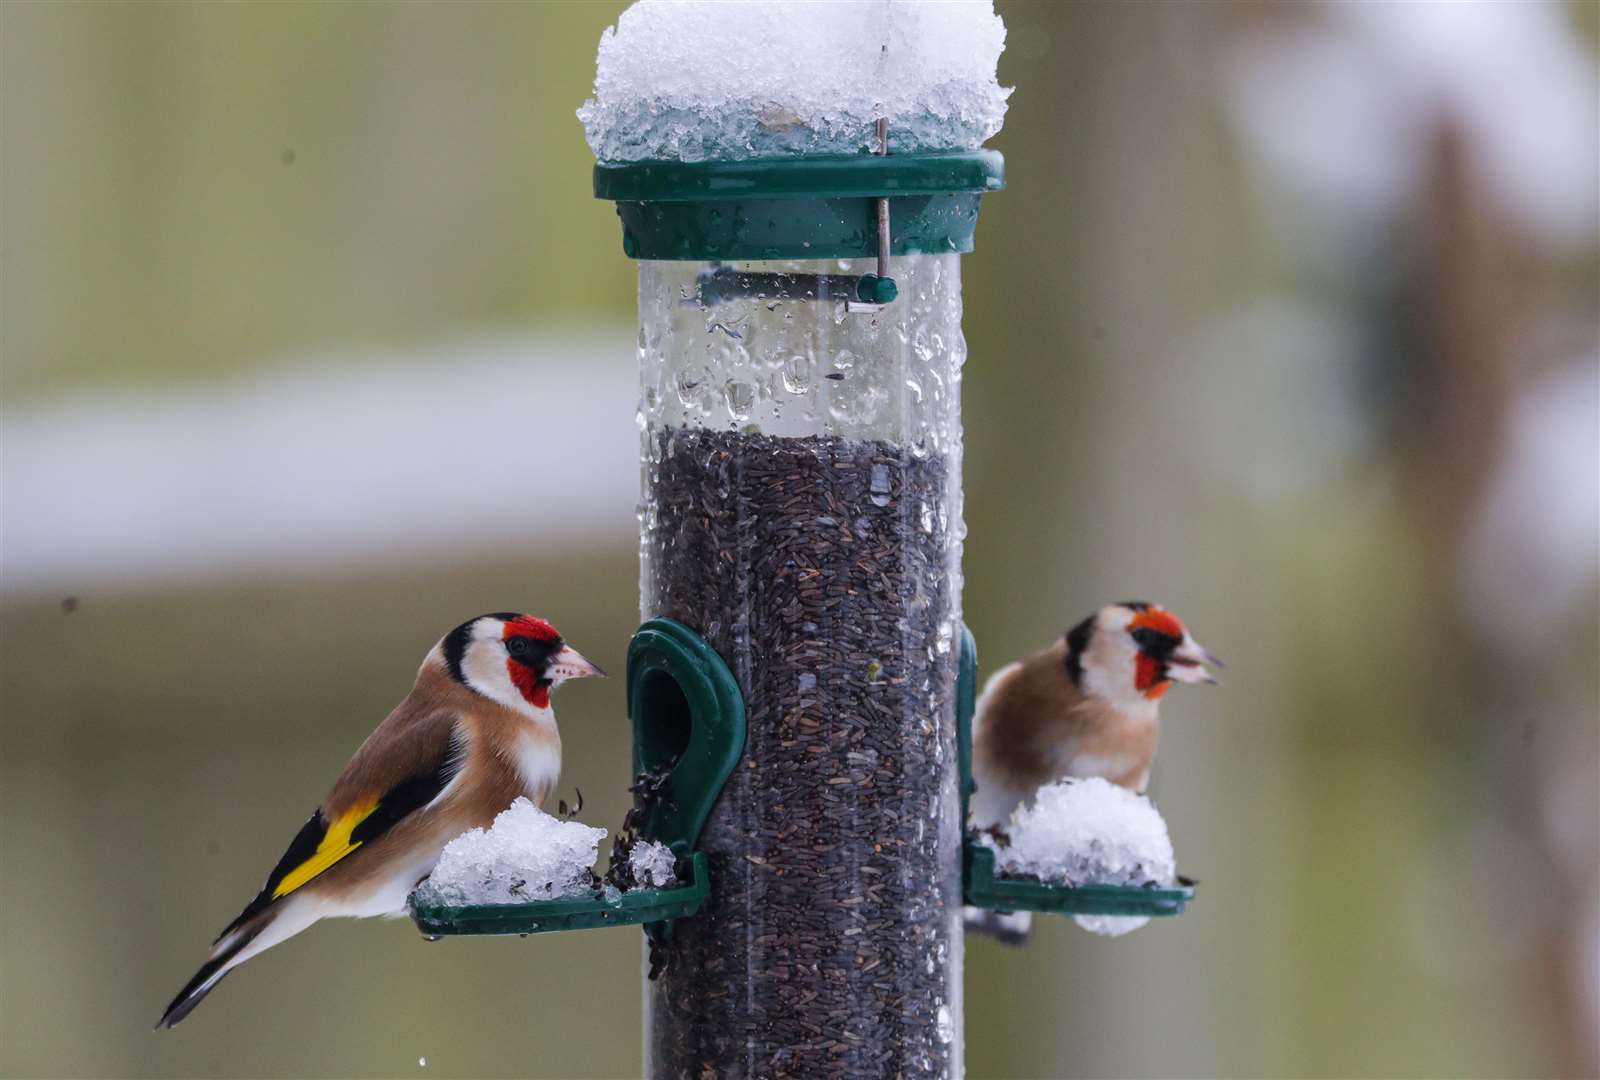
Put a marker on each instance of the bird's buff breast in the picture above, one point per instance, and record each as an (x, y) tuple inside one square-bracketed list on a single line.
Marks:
[(536, 757)]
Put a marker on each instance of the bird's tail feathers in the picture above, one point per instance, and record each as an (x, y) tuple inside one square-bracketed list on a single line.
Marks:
[(224, 957), (237, 944)]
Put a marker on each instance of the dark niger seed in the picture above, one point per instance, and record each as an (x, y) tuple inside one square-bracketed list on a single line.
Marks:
[(834, 853)]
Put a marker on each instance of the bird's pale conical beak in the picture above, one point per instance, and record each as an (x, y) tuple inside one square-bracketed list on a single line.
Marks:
[(570, 664), (1186, 664)]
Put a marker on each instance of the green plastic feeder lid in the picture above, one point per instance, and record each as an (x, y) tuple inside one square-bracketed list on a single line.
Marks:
[(799, 208)]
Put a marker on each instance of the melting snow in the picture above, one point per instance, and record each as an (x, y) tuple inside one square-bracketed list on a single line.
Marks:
[(1089, 832), (653, 865), (690, 80), (525, 855)]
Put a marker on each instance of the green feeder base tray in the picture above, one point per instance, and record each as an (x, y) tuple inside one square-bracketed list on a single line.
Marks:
[(985, 890), (632, 908)]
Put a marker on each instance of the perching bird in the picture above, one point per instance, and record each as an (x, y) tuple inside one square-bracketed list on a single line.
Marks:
[(1085, 706), (475, 733)]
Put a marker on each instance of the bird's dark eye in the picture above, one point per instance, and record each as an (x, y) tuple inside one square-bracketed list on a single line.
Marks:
[(517, 646), (1148, 639)]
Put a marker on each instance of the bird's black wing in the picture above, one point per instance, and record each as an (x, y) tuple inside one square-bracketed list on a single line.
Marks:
[(322, 843)]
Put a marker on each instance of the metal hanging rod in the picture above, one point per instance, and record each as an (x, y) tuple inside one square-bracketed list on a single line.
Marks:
[(862, 293)]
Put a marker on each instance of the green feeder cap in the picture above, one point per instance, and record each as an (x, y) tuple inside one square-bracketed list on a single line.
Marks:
[(799, 208)]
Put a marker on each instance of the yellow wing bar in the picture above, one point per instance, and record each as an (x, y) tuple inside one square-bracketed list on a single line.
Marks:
[(335, 845)]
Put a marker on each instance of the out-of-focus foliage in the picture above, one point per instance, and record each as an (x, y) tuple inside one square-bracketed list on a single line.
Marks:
[(1300, 366), (198, 187)]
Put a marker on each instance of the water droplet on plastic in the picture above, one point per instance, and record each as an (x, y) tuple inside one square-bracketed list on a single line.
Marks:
[(797, 374), (945, 1024), (689, 388), (741, 398)]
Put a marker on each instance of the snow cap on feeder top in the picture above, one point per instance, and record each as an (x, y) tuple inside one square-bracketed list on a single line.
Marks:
[(697, 80)]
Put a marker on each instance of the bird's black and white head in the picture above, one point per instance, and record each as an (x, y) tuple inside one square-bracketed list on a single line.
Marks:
[(1131, 653), (516, 660)]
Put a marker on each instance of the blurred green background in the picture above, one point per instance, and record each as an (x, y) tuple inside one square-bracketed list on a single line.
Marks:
[(1287, 320)]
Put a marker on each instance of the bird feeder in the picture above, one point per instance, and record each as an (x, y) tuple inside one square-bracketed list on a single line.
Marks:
[(800, 352), (800, 355), (802, 681)]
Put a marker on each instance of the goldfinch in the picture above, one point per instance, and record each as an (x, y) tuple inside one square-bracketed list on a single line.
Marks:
[(475, 733), (1085, 706)]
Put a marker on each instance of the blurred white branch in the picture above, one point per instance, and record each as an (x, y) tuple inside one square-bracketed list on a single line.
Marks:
[(481, 445)]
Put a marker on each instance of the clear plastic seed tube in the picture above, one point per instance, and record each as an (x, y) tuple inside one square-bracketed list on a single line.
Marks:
[(802, 510)]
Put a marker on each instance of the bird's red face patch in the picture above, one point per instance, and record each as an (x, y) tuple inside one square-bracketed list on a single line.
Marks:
[(1158, 619), (528, 685), (528, 626), (1147, 671), (523, 677), (1158, 632)]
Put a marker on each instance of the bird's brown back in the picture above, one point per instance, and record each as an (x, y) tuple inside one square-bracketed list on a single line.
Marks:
[(440, 718), (1036, 717)]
